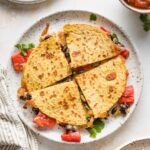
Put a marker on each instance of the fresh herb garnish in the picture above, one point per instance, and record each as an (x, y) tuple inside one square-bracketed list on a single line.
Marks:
[(24, 47), (146, 21), (98, 126), (92, 132), (114, 38), (93, 17)]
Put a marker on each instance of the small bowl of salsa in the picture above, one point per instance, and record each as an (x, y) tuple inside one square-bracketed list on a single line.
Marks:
[(140, 6)]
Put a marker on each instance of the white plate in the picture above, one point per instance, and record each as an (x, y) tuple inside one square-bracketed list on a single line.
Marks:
[(27, 1), (56, 23), (138, 144)]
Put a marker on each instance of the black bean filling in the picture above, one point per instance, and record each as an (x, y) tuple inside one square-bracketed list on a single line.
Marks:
[(123, 108), (66, 52), (69, 128), (35, 110)]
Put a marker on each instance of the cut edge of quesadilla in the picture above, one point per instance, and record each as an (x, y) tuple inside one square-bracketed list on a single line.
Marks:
[(61, 102), (45, 66), (88, 44), (103, 85)]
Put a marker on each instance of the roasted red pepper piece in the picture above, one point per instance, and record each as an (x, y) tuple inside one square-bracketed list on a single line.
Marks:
[(87, 67), (71, 137), (18, 59), (125, 53), (44, 121), (128, 96), (105, 30)]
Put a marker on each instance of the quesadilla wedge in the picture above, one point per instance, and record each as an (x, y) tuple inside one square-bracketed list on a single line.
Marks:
[(88, 44), (61, 102), (104, 85), (45, 66)]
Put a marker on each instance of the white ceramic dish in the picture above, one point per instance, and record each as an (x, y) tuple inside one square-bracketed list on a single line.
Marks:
[(57, 21), (138, 144), (27, 1), (141, 11)]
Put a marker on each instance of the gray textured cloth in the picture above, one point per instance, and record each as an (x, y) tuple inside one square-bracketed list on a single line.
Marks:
[(13, 134)]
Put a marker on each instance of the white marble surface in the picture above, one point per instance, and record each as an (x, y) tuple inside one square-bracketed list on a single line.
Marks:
[(14, 19)]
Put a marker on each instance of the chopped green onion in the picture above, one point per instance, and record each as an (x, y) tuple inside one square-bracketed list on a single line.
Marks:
[(93, 17)]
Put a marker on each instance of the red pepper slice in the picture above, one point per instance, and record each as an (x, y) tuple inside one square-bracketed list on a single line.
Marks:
[(128, 96), (105, 30), (18, 60), (125, 53), (87, 67), (71, 137), (44, 121)]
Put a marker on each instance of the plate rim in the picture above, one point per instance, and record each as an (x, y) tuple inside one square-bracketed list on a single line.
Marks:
[(132, 141), (134, 49), (26, 2)]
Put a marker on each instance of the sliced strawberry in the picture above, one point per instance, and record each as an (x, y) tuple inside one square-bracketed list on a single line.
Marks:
[(71, 137), (44, 121), (128, 96)]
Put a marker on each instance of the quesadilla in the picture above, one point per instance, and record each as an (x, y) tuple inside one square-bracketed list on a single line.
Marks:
[(61, 102), (104, 85), (88, 44), (45, 66)]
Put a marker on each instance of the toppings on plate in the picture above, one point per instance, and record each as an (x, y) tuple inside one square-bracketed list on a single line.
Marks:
[(93, 17), (75, 81), (44, 121), (71, 137), (127, 96), (98, 126), (105, 30), (19, 58)]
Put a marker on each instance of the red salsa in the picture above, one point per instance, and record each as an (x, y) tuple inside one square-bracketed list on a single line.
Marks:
[(142, 4)]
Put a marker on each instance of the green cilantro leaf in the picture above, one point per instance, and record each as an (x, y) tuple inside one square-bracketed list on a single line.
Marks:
[(24, 47), (92, 132), (115, 38), (98, 126), (146, 21), (93, 17)]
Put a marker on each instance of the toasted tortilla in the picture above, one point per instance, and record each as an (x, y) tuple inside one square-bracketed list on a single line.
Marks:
[(62, 102), (45, 66), (88, 44), (104, 85)]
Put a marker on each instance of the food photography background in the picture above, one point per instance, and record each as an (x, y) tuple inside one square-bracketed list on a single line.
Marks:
[(15, 19)]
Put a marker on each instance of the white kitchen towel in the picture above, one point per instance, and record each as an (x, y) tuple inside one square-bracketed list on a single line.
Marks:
[(13, 134)]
